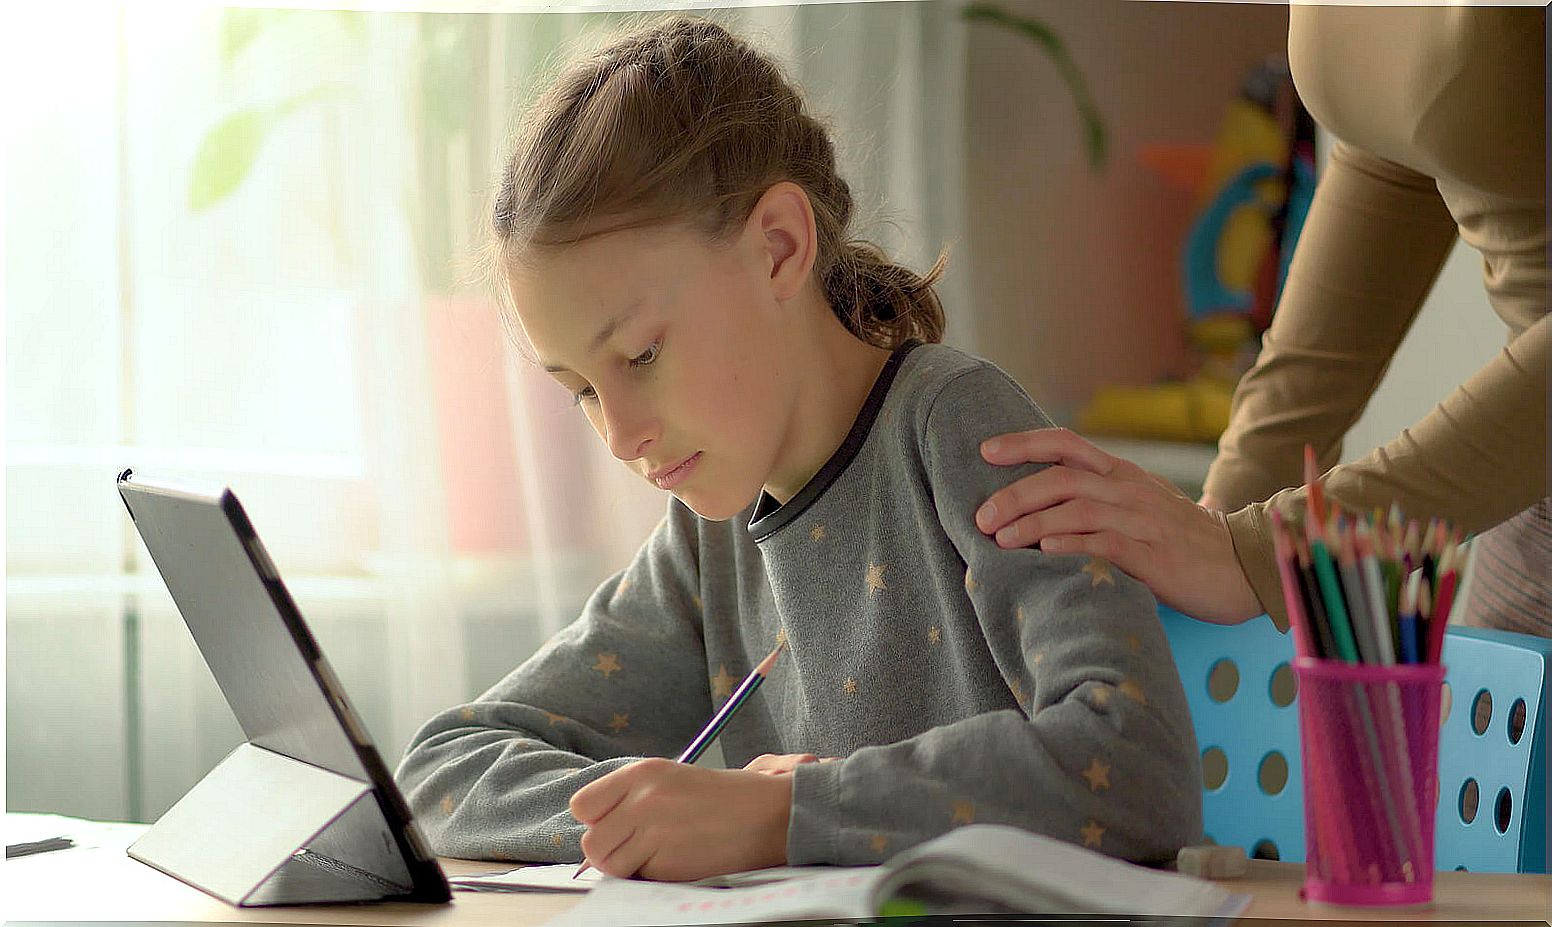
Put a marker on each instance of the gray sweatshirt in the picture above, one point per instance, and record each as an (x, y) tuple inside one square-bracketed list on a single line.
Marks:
[(960, 683)]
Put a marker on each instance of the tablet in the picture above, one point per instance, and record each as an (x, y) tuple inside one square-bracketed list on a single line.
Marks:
[(304, 811)]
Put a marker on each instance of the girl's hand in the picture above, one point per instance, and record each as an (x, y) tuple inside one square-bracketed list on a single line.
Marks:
[(781, 764), (674, 822), (1089, 502)]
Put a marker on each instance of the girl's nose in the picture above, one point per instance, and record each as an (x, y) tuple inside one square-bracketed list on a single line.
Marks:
[(629, 432)]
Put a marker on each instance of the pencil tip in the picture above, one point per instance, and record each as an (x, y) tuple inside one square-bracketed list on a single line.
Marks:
[(770, 660)]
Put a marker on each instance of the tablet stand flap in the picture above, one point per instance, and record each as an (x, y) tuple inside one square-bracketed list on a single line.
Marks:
[(243, 834)]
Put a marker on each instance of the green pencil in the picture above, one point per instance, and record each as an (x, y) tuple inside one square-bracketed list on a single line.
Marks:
[(1336, 609)]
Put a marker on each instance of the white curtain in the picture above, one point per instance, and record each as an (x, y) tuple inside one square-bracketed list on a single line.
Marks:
[(237, 250)]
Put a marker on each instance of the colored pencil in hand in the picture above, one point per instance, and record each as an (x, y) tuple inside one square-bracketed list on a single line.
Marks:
[(719, 720)]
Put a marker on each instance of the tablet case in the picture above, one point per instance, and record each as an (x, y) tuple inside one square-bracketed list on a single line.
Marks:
[(304, 811)]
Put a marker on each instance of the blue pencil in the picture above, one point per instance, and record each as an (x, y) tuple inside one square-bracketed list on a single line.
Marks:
[(1411, 595)]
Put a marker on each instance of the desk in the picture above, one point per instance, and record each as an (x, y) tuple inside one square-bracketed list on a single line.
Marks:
[(98, 882)]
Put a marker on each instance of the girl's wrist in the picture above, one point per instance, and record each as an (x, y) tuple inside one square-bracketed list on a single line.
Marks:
[(780, 819)]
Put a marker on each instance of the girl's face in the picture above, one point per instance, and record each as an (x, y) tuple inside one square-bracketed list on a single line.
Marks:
[(674, 347)]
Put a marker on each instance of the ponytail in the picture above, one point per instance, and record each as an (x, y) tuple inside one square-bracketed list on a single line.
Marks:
[(881, 302)]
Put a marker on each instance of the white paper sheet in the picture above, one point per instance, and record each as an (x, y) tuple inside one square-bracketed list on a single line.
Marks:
[(660, 904), (558, 878)]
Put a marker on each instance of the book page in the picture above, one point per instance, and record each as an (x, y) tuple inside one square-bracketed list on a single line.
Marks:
[(844, 893), (1032, 873), (562, 878)]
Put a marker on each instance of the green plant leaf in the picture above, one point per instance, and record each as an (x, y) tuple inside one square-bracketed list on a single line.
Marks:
[(1094, 134), (353, 23), (239, 27), (226, 155), (228, 152)]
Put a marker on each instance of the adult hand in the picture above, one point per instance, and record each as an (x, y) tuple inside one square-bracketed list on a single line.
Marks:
[(1089, 502), (781, 764), (658, 819)]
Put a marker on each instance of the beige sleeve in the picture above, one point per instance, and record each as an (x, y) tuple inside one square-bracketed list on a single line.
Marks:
[(1375, 238), (1478, 458)]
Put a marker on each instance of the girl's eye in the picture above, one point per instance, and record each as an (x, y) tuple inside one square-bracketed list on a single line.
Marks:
[(645, 358)]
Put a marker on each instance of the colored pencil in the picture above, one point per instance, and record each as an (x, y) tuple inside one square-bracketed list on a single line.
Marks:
[(1356, 595), (1315, 609), (1303, 640), (735, 701), (1411, 549), (1331, 591), (1375, 587), (1424, 611), (1440, 620), (1317, 497), (719, 720), (1411, 599)]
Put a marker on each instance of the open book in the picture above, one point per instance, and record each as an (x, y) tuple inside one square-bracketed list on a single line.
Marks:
[(980, 869)]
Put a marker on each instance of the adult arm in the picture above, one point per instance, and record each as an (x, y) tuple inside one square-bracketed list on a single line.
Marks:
[(1476, 459), (1376, 236)]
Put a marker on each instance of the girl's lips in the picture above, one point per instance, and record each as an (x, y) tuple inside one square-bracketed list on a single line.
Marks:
[(678, 474)]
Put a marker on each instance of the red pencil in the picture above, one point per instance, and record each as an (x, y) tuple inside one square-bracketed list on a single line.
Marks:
[(1303, 642), (1448, 578), (1317, 499)]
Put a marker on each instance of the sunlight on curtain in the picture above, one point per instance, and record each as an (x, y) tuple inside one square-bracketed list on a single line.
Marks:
[(302, 324)]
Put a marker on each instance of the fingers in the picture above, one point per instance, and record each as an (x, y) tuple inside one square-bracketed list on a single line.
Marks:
[(1042, 490), (1048, 445), (620, 854), (772, 764), (1077, 517), (1125, 553), (599, 797)]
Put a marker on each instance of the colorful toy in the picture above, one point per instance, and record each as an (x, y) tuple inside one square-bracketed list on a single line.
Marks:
[(1254, 186)]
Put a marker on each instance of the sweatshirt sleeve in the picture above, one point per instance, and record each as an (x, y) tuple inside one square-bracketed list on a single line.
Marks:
[(1101, 752), (1376, 236), (492, 779), (1477, 459)]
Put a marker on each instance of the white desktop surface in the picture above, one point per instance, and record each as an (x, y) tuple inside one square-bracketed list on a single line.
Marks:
[(96, 881)]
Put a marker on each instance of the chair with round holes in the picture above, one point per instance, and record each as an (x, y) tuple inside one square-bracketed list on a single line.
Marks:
[(1240, 687), (1493, 753), (1492, 809)]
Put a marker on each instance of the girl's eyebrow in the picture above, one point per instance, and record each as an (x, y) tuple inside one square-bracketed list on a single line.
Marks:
[(604, 334)]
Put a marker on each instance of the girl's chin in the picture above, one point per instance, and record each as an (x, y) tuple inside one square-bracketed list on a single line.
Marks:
[(712, 506)]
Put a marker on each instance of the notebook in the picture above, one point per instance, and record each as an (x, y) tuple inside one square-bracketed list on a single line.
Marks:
[(979, 869), (563, 878)]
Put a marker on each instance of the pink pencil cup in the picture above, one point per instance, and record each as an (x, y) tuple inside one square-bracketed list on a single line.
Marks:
[(1370, 739)]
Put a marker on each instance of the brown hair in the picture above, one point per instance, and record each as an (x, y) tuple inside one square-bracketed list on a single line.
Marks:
[(686, 122)]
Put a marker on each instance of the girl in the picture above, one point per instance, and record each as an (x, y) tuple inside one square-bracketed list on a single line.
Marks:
[(673, 235)]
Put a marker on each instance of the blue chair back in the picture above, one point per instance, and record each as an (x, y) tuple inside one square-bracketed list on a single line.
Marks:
[(1228, 672), (1239, 685), (1493, 753)]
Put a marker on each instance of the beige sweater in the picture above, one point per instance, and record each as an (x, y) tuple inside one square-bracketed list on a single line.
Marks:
[(1439, 116)]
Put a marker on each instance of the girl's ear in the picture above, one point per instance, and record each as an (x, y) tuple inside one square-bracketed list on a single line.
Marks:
[(782, 224)]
